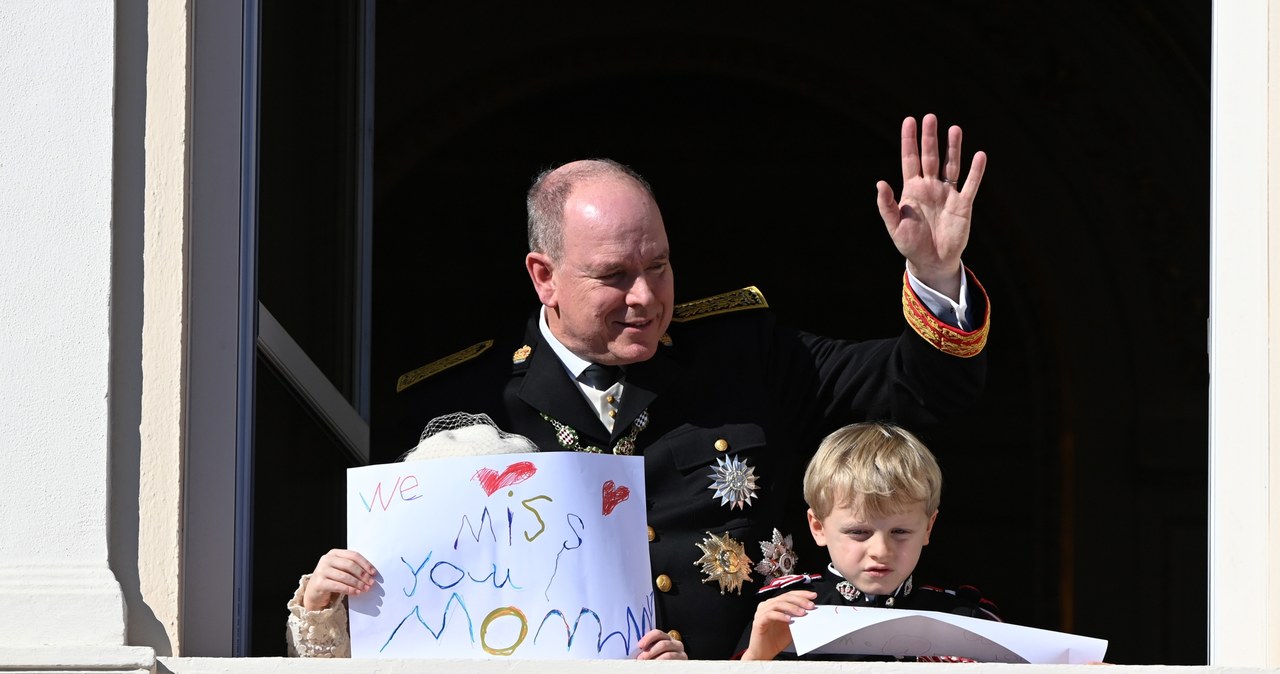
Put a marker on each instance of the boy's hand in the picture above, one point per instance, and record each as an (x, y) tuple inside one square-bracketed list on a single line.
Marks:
[(771, 629), (337, 573), (658, 645)]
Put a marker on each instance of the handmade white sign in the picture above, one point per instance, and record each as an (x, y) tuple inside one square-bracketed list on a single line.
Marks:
[(895, 632), (528, 555)]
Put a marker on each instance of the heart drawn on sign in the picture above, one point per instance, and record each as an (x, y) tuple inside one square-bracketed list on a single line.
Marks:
[(611, 496), (491, 480)]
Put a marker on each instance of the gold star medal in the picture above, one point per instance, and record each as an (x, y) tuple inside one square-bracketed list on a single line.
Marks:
[(724, 561), (734, 482)]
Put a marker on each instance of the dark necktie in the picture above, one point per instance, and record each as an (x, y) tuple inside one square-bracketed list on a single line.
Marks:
[(600, 377)]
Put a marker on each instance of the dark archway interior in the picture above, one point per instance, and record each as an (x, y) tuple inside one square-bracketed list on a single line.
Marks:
[(1076, 493)]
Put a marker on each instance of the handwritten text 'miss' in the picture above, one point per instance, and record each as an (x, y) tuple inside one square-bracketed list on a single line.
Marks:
[(504, 561)]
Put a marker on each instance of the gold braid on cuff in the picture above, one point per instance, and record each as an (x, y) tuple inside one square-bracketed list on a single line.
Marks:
[(945, 338)]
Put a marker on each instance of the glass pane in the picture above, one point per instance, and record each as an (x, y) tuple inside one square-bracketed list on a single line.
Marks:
[(298, 512), (308, 177)]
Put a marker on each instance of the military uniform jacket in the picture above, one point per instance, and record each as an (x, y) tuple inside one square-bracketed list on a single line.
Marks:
[(727, 386)]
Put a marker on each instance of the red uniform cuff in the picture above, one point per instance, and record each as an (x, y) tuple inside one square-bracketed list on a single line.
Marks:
[(945, 338)]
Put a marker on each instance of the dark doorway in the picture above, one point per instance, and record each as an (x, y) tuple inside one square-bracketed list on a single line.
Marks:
[(1076, 494)]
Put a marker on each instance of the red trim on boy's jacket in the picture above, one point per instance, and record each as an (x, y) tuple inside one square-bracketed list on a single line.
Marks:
[(985, 605), (786, 581)]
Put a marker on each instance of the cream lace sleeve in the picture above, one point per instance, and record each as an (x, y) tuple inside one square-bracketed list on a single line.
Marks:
[(317, 634)]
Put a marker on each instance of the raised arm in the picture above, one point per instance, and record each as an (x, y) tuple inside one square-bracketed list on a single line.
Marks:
[(929, 222)]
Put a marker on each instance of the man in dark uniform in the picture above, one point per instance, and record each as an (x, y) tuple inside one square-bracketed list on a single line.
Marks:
[(725, 406)]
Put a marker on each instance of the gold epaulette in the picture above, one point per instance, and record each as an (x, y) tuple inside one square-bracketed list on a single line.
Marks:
[(435, 367), (734, 300), (945, 338)]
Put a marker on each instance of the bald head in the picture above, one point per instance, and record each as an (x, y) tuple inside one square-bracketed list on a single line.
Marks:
[(600, 261), (552, 189)]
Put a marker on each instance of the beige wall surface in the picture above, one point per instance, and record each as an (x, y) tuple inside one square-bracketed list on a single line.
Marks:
[(163, 329)]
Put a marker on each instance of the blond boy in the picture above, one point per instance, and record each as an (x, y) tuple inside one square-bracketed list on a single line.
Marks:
[(873, 491)]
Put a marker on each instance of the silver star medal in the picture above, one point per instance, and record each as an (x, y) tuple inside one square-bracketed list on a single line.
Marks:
[(734, 482), (779, 559)]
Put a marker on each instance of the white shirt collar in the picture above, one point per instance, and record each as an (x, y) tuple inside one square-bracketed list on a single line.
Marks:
[(572, 363)]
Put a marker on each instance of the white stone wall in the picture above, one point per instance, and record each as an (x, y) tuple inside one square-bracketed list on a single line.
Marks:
[(1244, 535), (56, 75), (1273, 330), (63, 606)]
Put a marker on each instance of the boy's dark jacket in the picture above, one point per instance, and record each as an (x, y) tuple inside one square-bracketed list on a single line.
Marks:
[(966, 601)]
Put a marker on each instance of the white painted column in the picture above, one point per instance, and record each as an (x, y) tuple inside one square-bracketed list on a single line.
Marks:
[(1273, 323), (1243, 527), (64, 608)]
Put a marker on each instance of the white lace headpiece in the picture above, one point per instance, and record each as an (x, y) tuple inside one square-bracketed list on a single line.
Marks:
[(465, 434)]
